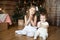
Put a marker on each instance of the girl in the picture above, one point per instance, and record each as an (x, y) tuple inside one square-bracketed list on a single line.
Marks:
[(42, 27), (30, 23)]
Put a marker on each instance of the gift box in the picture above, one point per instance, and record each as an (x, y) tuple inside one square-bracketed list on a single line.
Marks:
[(20, 24)]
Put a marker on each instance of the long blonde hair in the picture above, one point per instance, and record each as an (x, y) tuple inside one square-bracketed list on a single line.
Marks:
[(27, 12)]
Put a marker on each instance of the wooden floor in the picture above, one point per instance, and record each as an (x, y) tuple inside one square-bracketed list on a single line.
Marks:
[(9, 34)]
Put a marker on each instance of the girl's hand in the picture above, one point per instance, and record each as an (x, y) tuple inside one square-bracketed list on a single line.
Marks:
[(31, 17)]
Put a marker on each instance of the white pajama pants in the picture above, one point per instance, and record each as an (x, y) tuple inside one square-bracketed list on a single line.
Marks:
[(28, 30), (41, 32)]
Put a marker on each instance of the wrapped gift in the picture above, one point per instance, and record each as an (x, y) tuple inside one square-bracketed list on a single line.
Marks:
[(20, 24)]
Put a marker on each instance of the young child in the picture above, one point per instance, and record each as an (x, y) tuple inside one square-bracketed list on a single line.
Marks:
[(42, 30), (30, 23)]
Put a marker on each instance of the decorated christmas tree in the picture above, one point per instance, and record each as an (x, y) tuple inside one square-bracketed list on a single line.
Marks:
[(21, 6)]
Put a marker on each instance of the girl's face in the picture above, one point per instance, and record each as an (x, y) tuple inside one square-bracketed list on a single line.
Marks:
[(42, 18), (32, 11)]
